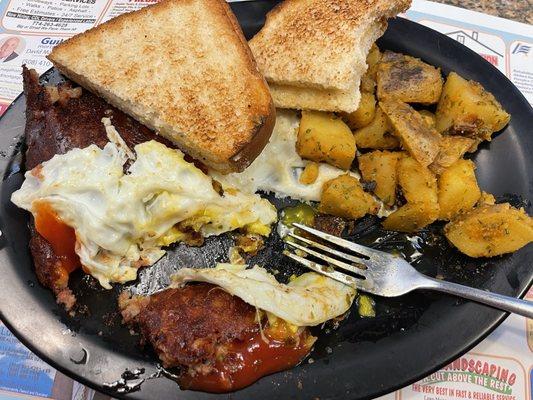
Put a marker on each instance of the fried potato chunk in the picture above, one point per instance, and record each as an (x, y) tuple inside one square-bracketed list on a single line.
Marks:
[(368, 80), (421, 141), (486, 199), (389, 56), (428, 117), (419, 186), (309, 174), (452, 148), (411, 217), (372, 60), (364, 114), (376, 135), (466, 108), (458, 189), (418, 183), (344, 197), (381, 167), (490, 230), (324, 137), (367, 83), (409, 79)]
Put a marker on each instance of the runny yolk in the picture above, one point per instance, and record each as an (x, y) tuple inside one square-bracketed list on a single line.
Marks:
[(61, 237), (247, 361)]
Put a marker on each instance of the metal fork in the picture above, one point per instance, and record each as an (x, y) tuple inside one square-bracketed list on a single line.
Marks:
[(385, 274)]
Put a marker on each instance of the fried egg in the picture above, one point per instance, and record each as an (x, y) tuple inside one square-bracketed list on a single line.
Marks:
[(308, 300), (122, 220), (278, 168)]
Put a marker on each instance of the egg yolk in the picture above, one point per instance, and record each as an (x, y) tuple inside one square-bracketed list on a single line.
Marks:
[(61, 237)]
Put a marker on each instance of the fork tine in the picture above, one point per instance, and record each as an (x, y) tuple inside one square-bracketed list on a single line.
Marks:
[(322, 270), (366, 251), (330, 260), (328, 249)]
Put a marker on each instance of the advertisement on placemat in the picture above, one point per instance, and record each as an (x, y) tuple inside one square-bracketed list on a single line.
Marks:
[(475, 376), (20, 370)]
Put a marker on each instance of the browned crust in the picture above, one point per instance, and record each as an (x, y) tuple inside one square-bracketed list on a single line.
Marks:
[(264, 127), (189, 325), (228, 13), (47, 264), (214, 152), (55, 128), (330, 224), (48, 269), (420, 140), (261, 135)]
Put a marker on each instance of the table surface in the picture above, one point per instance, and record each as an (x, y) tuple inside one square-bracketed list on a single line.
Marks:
[(518, 10)]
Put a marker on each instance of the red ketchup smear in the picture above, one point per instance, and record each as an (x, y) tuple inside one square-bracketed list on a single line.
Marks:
[(61, 237), (247, 361)]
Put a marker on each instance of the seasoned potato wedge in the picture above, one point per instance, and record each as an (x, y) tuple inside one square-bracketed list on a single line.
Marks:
[(388, 56), (490, 230), (452, 148), (376, 135), (309, 174), (419, 187), (466, 108), (411, 217), (345, 197), (486, 199), (381, 167), (364, 114), (368, 84), (372, 60), (421, 141), (410, 80), (458, 189), (428, 117), (324, 137), (368, 80), (418, 183)]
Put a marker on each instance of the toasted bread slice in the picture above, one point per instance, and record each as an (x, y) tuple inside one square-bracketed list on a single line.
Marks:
[(313, 52), (182, 68)]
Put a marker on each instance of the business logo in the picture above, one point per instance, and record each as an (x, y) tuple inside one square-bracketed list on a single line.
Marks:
[(520, 61), (521, 48), (52, 41)]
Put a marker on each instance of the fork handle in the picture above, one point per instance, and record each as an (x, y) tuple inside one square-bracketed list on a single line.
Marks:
[(505, 303)]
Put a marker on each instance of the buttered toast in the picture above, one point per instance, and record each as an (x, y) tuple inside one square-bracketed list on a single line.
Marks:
[(182, 68)]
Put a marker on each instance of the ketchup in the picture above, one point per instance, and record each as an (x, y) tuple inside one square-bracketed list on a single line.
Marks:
[(248, 360), (61, 237)]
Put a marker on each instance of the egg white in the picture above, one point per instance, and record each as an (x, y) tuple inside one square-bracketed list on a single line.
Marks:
[(278, 168), (122, 220), (309, 300)]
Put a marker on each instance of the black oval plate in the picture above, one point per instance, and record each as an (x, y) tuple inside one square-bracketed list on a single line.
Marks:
[(410, 337)]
